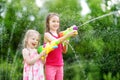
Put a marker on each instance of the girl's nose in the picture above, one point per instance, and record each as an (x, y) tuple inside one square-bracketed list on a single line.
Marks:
[(36, 41)]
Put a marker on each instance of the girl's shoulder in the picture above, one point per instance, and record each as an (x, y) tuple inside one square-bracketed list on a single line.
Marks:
[(46, 37), (47, 34), (29, 50), (25, 50)]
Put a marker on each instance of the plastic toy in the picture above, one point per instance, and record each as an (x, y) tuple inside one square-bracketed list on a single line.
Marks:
[(54, 44), (74, 27), (48, 47)]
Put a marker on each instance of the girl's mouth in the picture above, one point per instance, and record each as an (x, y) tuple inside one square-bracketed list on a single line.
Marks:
[(33, 44)]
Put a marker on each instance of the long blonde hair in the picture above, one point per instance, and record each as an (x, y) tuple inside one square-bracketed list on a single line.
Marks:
[(28, 34)]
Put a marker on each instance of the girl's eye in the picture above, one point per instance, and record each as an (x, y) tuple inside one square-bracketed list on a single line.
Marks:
[(53, 21), (33, 38)]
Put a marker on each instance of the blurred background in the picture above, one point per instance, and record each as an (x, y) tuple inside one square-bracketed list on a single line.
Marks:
[(94, 54)]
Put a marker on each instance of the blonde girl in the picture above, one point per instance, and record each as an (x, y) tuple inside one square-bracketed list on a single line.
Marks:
[(33, 65)]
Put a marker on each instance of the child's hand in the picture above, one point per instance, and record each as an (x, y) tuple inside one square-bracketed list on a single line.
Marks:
[(65, 46), (66, 42), (43, 53), (43, 56), (73, 33)]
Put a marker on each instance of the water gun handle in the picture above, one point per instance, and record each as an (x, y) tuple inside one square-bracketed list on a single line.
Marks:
[(48, 47)]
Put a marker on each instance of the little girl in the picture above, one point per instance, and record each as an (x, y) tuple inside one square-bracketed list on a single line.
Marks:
[(54, 61), (33, 65)]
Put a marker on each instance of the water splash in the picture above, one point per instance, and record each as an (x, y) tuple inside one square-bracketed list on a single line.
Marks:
[(77, 57), (74, 53), (78, 61), (105, 15)]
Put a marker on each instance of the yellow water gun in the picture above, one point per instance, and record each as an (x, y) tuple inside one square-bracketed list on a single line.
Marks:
[(48, 47)]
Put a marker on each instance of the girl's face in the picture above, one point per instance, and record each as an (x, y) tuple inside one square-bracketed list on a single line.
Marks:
[(33, 41), (54, 23)]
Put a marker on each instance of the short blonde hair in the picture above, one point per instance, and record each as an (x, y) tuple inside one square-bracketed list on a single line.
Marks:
[(28, 34)]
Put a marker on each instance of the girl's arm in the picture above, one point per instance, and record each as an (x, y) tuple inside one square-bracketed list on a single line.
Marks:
[(65, 46), (48, 37), (27, 58)]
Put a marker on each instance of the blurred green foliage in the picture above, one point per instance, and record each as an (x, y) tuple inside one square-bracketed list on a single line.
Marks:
[(94, 54)]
